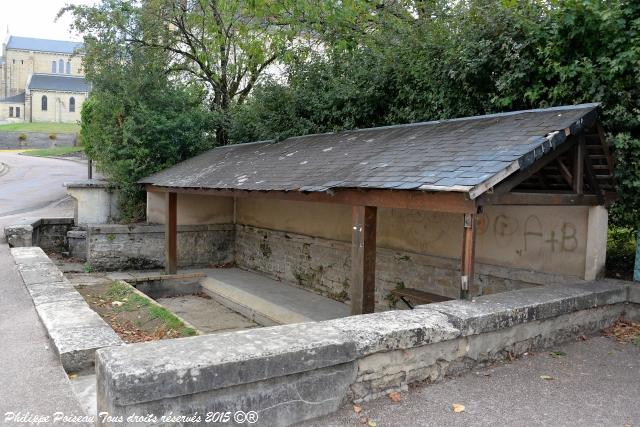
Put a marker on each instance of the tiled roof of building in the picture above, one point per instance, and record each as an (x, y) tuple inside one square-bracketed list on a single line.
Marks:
[(58, 82), (43, 45), (450, 155), (15, 99)]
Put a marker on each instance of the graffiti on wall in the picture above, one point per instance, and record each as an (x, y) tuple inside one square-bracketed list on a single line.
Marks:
[(530, 234)]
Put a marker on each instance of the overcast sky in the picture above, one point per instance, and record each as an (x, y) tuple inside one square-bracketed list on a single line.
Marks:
[(36, 18)]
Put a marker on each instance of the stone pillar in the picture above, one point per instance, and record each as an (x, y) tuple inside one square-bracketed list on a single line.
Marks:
[(596, 253)]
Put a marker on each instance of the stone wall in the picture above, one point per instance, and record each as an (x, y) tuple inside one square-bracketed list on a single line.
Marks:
[(11, 141), (323, 266), (123, 247), (286, 374), (48, 233)]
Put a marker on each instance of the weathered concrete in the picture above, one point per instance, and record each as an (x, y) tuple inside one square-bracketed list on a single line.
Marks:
[(77, 244), (141, 247), (74, 329), (47, 233), (95, 202), (267, 301), (19, 235)]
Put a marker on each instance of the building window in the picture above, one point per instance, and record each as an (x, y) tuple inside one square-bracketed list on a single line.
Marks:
[(10, 111), (18, 112), (53, 67), (68, 70), (61, 66), (72, 105), (44, 103)]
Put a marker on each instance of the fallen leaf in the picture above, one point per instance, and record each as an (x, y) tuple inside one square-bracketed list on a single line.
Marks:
[(457, 407), (357, 409), (363, 420), (395, 396), (117, 303), (372, 423), (72, 376), (546, 377), (557, 354)]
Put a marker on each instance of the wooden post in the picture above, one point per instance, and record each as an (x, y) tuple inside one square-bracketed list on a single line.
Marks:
[(363, 260), (171, 233), (578, 167), (468, 255)]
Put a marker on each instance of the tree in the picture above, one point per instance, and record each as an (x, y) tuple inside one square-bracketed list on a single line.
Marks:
[(137, 121), (227, 45)]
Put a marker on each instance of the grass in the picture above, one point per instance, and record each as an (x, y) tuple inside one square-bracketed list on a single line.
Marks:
[(55, 151), (44, 127)]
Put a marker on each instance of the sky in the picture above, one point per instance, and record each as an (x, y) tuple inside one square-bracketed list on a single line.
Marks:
[(37, 18)]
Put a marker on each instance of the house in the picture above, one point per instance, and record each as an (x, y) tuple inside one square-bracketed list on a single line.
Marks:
[(41, 80), (455, 208)]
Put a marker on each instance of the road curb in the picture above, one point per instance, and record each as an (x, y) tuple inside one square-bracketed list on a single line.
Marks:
[(4, 168)]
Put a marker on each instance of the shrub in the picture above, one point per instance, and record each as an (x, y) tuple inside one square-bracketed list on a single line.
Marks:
[(53, 136), (22, 137)]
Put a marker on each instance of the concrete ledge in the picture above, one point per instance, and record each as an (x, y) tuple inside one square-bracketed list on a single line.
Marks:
[(504, 310), (75, 330), (153, 228), (162, 369)]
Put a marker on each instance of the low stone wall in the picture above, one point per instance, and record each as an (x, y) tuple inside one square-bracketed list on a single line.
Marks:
[(11, 140), (323, 266), (48, 233), (286, 374), (74, 329), (137, 247)]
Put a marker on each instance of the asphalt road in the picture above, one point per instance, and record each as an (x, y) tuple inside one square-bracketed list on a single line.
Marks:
[(33, 187), (595, 383)]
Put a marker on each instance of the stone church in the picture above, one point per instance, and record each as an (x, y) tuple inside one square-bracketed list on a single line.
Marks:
[(41, 80)]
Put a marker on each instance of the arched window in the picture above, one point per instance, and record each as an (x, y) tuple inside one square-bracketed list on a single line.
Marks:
[(61, 66), (72, 104), (53, 67), (43, 104), (68, 70)]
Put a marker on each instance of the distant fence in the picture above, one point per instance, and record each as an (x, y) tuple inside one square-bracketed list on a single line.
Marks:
[(12, 141)]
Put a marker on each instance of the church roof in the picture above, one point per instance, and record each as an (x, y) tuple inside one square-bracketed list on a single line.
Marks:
[(15, 99), (58, 82), (450, 155), (43, 45)]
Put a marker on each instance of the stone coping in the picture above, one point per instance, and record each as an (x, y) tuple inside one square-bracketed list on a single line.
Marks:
[(88, 183), (153, 371), (75, 330), (152, 228)]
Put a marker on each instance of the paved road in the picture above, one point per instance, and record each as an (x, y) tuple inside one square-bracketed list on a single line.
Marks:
[(32, 187), (32, 380), (597, 383)]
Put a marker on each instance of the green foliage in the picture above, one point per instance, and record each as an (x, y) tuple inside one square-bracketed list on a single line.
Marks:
[(119, 291), (55, 151), (621, 252), (22, 137), (137, 121)]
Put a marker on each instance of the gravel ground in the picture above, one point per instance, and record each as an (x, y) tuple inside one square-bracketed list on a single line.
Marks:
[(595, 383)]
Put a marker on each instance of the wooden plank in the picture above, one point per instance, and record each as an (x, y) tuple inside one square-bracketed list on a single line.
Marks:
[(468, 255), (455, 202), (566, 175), (171, 233), (363, 259), (543, 199), (578, 167)]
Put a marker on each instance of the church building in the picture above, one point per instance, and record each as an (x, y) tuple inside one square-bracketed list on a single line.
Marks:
[(41, 80)]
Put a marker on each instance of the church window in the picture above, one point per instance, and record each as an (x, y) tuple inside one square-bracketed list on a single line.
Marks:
[(10, 111), (61, 66), (53, 67), (18, 112), (68, 69), (44, 103), (72, 104)]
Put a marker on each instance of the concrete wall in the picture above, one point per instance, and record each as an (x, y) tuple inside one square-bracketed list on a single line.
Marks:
[(139, 247), (286, 374), (57, 106), (94, 202), (193, 209)]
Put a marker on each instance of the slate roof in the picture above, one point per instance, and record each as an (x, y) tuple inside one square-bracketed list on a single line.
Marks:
[(43, 45), (15, 99), (451, 155), (57, 82)]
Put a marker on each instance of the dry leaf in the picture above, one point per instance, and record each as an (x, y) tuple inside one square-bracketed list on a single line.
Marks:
[(457, 407), (372, 423), (546, 377), (72, 376), (357, 409), (363, 420), (395, 396)]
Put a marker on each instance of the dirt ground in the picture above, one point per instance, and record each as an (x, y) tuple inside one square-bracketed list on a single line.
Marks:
[(133, 317)]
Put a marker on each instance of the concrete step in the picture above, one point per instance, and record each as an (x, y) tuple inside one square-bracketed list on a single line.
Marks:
[(267, 301)]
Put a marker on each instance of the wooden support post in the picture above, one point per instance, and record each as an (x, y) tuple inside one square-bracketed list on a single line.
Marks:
[(363, 260), (468, 255), (171, 233), (578, 167)]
